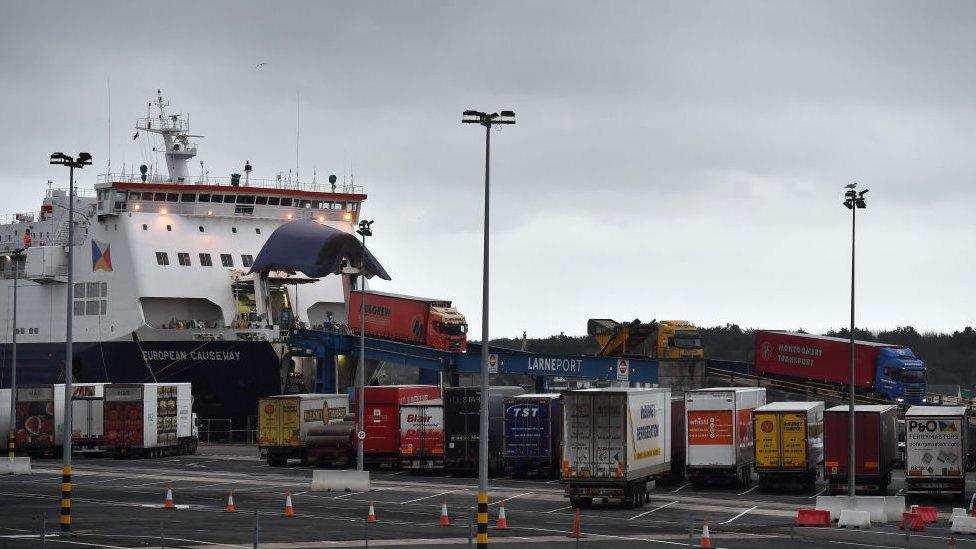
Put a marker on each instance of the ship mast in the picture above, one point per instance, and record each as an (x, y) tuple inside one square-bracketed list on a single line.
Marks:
[(175, 131)]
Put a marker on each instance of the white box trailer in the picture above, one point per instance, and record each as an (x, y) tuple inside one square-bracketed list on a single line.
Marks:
[(149, 419), (936, 441), (87, 429), (719, 437), (40, 415), (284, 423), (616, 441)]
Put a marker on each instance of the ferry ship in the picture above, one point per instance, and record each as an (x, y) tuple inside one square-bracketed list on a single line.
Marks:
[(161, 284)]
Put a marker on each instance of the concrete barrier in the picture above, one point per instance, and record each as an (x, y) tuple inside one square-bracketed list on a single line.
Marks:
[(894, 507), (874, 505), (16, 466), (324, 480), (959, 512), (834, 504), (963, 525), (854, 519)]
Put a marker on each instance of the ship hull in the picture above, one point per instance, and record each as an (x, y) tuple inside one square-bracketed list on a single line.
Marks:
[(228, 377)]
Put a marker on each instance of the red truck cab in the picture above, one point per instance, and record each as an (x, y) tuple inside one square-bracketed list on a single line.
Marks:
[(418, 320)]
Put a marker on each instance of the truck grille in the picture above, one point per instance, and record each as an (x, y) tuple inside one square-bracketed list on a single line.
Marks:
[(914, 393)]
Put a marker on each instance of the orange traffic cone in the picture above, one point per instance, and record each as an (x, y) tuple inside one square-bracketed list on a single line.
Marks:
[(169, 500), (230, 502), (371, 517), (706, 541), (289, 510), (445, 521), (502, 521), (575, 532)]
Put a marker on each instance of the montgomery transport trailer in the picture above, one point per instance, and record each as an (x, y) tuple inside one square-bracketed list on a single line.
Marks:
[(284, 422), (616, 440), (533, 431), (422, 435), (149, 420), (719, 433), (418, 320), (888, 371), (789, 443), (936, 440), (462, 425), (382, 418), (876, 452)]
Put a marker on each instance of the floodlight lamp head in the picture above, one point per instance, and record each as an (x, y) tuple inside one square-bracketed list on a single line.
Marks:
[(60, 158), (862, 193), (847, 204), (84, 159), (850, 186), (508, 114), (860, 203)]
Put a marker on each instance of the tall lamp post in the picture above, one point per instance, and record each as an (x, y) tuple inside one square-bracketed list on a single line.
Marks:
[(84, 159), (486, 120), (15, 258), (364, 231), (853, 201)]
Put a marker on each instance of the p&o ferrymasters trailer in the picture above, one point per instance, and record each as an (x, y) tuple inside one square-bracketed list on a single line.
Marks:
[(936, 439), (719, 433), (616, 440)]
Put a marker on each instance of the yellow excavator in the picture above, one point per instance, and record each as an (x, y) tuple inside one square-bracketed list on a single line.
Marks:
[(667, 339)]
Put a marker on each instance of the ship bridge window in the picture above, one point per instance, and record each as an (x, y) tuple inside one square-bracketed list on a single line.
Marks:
[(303, 203), (206, 260), (316, 205), (217, 198), (162, 258), (226, 260), (245, 199), (159, 197), (354, 206), (261, 200), (274, 201), (247, 260), (183, 258), (172, 197), (203, 198), (244, 210), (148, 196), (229, 199), (188, 197), (285, 201)]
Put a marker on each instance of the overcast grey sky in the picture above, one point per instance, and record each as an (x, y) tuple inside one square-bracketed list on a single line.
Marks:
[(671, 159)]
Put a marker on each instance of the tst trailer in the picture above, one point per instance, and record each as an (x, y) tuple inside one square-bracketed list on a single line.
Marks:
[(616, 441), (422, 435), (719, 439), (875, 451), (382, 418), (284, 422), (462, 424), (418, 320), (936, 440), (889, 371), (789, 443), (149, 420), (533, 431)]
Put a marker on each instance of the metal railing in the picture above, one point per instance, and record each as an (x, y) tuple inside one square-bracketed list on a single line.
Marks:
[(283, 183), (253, 211), (221, 430)]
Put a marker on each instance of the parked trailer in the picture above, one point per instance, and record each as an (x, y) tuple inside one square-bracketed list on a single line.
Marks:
[(533, 431), (789, 443), (149, 420), (678, 432), (87, 419), (936, 440), (422, 435), (876, 453), (40, 416), (616, 441), (332, 444), (719, 440), (284, 422), (382, 425), (462, 424)]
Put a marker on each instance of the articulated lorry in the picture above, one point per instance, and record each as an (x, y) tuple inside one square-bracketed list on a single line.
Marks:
[(533, 431), (876, 453), (888, 371), (285, 421), (418, 320), (149, 420), (616, 442), (665, 340)]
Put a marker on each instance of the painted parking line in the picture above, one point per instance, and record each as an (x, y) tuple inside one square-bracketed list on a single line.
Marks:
[(652, 510), (508, 498), (820, 492), (559, 509), (753, 508), (680, 488), (426, 497), (750, 489)]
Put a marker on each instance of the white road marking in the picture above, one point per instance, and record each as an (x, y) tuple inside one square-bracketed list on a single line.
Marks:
[(559, 509), (508, 498), (818, 493), (754, 507), (680, 488), (346, 495), (426, 497), (652, 510), (300, 493), (750, 489)]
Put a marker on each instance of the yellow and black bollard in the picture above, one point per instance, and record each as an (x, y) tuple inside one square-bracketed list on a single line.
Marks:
[(66, 499), (482, 520)]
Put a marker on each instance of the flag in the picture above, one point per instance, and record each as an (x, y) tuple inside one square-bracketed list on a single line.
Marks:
[(101, 256)]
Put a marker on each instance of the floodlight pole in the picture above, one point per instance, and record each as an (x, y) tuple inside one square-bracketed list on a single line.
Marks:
[(12, 437), (854, 201), (364, 231), (486, 120)]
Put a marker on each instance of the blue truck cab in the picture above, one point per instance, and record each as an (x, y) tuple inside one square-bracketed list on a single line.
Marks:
[(900, 375)]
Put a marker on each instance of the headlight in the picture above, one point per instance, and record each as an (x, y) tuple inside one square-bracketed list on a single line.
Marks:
[(899, 399)]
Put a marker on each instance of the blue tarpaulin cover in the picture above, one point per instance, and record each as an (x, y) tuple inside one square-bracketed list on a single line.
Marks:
[(315, 250)]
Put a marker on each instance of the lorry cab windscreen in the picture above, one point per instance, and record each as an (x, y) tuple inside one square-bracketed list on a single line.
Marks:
[(687, 341), (453, 329), (912, 376)]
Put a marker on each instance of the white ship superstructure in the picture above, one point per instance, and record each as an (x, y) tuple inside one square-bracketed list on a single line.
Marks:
[(160, 271)]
